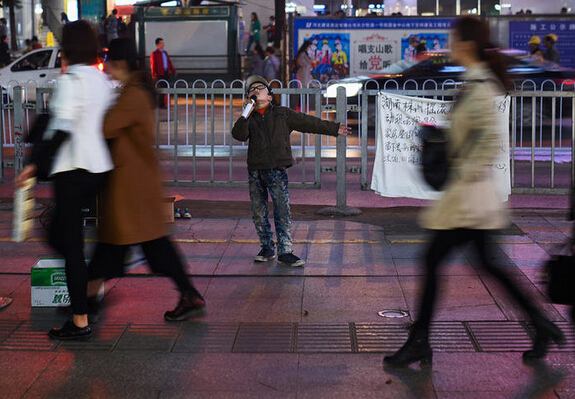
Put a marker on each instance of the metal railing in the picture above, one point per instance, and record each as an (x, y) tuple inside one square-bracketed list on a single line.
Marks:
[(195, 147)]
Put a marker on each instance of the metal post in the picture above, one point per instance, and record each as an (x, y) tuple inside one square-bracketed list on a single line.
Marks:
[(231, 145), (2, 139), (18, 131), (341, 208), (194, 137), (553, 121), (533, 138), (213, 139), (513, 137), (317, 167), (363, 113), (175, 135), (573, 143), (341, 106)]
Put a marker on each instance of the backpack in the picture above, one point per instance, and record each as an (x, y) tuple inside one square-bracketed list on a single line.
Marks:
[(435, 162), (434, 156)]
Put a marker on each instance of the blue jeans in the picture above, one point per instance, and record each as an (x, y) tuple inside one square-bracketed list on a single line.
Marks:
[(274, 181), (251, 41)]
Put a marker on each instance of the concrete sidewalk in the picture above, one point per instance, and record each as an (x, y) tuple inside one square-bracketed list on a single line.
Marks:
[(275, 332)]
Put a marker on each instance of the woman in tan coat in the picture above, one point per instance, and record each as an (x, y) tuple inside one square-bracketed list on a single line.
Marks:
[(470, 209), (130, 205)]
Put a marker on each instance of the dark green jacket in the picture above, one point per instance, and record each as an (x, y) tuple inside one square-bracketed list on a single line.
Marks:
[(269, 135)]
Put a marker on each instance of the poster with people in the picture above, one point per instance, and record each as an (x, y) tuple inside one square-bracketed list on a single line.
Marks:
[(429, 41), (359, 47), (329, 54), (520, 32)]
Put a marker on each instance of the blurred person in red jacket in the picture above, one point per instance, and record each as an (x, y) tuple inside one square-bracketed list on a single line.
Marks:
[(161, 67)]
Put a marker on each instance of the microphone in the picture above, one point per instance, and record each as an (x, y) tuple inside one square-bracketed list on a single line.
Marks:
[(248, 108)]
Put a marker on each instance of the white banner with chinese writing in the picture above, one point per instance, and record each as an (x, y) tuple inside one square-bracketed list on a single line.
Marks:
[(396, 170)]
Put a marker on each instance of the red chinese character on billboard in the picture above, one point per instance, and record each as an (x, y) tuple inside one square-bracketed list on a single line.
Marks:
[(375, 62)]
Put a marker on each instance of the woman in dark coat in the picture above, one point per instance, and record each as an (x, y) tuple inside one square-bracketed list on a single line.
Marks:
[(131, 206)]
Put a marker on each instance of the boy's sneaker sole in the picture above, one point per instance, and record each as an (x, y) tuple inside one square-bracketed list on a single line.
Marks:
[(263, 259), (297, 263)]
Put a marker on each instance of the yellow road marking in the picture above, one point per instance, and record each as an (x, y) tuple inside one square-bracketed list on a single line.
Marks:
[(235, 241)]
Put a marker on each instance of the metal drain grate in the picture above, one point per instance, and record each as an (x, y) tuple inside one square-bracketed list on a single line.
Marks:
[(148, 337), (6, 328), (273, 337), (380, 337), (30, 336), (207, 337), (500, 336), (105, 338), (568, 329), (324, 338), (474, 336)]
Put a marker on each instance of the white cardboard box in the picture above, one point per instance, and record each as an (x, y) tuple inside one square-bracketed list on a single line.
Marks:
[(48, 283)]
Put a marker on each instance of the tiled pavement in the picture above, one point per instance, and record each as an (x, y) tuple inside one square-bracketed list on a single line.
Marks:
[(275, 332)]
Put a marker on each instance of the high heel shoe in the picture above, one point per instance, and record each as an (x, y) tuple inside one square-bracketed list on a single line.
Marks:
[(545, 332), (416, 348)]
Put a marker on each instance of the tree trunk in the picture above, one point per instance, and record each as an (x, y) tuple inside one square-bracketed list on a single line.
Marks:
[(13, 43)]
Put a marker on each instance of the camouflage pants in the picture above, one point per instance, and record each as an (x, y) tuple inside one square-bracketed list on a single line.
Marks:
[(274, 182)]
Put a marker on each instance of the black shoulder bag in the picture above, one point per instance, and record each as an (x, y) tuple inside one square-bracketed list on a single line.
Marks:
[(44, 148), (435, 160)]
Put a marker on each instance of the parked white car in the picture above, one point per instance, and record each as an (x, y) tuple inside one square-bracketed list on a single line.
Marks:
[(38, 68)]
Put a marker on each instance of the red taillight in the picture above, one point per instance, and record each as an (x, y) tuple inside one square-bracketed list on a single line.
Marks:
[(101, 66)]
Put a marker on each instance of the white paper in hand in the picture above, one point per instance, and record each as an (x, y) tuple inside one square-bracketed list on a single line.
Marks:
[(22, 219)]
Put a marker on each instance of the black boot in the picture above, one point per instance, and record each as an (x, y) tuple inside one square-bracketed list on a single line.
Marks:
[(188, 306), (545, 331), (416, 348)]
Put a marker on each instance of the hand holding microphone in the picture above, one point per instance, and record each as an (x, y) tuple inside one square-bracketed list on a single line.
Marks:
[(249, 107)]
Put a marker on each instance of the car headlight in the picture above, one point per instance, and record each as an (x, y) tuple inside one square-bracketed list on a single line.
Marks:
[(351, 89)]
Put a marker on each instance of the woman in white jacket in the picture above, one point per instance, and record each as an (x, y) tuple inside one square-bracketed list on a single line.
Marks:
[(78, 106), (470, 209)]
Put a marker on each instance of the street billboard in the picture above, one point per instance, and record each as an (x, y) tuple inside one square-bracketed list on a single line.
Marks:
[(354, 47)]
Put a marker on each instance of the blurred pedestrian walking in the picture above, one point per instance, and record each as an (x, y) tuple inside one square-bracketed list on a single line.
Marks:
[(268, 130), (303, 63), (271, 30), (255, 29), (3, 27), (470, 208), (112, 23), (131, 204), (551, 53), (77, 109), (535, 50), (36, 43), (161, 66), (64, 18), (5, 55), (257, 67), (271, 65)]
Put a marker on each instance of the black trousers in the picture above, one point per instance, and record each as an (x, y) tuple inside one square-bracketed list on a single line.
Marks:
[(73, 190), (441, 244), (161, 254), (163, 98)]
